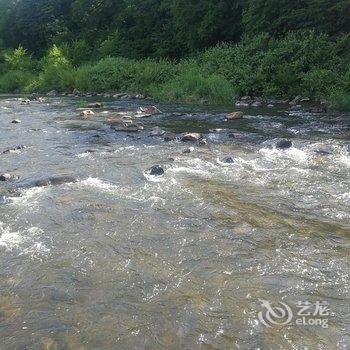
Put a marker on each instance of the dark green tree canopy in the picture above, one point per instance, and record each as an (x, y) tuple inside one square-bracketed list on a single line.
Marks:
[(160, 28)]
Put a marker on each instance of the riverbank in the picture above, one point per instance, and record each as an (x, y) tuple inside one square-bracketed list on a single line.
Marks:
[(312, 66)]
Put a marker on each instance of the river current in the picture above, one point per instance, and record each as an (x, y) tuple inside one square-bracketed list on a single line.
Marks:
[(118, 259)]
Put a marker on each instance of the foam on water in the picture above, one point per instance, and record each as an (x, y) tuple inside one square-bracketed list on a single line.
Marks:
[(294, 154), (29, 196), (26, 242), (96, 183)]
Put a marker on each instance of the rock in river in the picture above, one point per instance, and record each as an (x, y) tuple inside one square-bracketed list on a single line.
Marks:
[(169, 137), (228, 160), (188, 150), (234, 115), (5, 177), (156, 170), (151, 110), (284, 144), (15, 149), (157, 132), (87, 113), (324, 151), (128, 127), (52, 181), (95, 105), (25, 101), (191, 137)]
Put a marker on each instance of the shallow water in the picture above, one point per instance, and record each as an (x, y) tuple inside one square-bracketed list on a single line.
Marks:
[(122, 260)]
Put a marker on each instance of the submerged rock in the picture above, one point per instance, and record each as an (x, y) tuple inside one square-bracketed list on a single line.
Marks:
[(157, 132), (191, 137), (317, 109), (324, 151), (53, 181), (156, 170), (228, 160), (169, 137), (284, 144), (234, 115)]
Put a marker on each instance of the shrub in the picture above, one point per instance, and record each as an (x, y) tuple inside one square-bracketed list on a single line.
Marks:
[(18, 60), (57, 73), (192, 86), (121, 74), (340, 100), (77, 52), (15, 80)]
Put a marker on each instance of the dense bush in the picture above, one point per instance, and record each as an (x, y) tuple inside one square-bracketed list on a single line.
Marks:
[(301, 63), (121, 74), (56, 73), (15, 81), (193, 86)]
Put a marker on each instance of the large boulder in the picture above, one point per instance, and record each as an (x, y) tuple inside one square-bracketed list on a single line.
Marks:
[(191, 137), (235, 115)]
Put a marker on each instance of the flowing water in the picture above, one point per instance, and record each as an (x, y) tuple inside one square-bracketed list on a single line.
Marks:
[(122, 260)]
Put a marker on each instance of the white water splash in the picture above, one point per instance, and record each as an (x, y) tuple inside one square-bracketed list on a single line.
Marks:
[(27, 242), (31, 195)]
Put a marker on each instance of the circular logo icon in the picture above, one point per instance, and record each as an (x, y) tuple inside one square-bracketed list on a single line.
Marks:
[(277, 315)]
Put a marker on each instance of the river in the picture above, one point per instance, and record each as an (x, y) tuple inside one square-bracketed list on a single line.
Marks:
[(118, 259)]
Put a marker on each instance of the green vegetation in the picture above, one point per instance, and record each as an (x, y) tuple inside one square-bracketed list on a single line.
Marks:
[(178, 50)]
